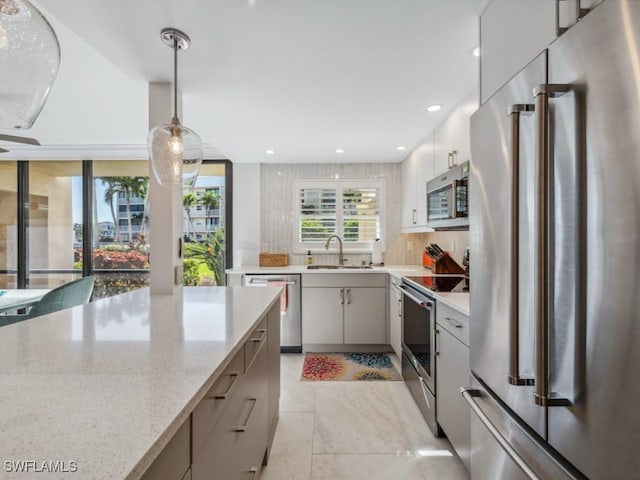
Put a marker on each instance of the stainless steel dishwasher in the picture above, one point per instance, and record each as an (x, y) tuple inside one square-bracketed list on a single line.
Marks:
[(290, 319)]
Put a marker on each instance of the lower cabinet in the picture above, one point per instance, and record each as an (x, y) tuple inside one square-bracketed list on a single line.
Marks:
[(453, 370), (229, 433), (344, 309), (236, 445), (395, 315), (173, 462)]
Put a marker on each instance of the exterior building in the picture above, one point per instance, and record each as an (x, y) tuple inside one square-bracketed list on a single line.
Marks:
[(203, 219)]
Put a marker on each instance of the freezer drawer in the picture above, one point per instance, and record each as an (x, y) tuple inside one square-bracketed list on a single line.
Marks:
[(502, 447)]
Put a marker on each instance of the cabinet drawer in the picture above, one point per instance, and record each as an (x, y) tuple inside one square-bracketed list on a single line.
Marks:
[(331, 280), (256, 340), (456, 323), (224, 454), (173, 462), (221, 394)]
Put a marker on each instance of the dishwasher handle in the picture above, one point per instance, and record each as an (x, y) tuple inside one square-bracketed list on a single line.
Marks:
[(265, 281)]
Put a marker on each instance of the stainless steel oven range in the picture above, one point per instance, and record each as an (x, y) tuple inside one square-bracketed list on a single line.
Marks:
[(419, 348)]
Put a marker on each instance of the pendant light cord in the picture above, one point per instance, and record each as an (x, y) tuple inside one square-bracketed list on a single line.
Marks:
[(175, 80)]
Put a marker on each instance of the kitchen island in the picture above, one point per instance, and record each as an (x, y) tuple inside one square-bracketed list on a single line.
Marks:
[(100, 390)]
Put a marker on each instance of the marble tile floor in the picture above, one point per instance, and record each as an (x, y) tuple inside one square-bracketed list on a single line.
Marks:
[(354, 430)]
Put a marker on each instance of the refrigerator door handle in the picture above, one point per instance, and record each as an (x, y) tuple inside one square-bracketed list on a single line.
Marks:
[(469, 394), (542, 396), (513, 375)]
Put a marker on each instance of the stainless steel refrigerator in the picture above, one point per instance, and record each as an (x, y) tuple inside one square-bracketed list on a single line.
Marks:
[(555, 238)]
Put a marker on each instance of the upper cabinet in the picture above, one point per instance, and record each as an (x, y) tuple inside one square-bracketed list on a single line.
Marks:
[(451, 143), (512, 33), (416, 170)]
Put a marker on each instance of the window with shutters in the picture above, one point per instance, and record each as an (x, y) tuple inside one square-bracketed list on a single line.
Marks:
[(350, 209)]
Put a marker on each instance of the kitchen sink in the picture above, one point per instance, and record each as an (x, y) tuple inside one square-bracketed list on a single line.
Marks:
[(339, 267)]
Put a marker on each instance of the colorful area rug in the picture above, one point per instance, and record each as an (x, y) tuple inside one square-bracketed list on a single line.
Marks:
[(348, 366)]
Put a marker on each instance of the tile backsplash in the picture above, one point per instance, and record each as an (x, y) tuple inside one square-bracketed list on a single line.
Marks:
[(277, 208)]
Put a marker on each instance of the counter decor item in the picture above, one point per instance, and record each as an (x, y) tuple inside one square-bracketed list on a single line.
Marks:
[(274, 259), (442, 261), (376, 252)]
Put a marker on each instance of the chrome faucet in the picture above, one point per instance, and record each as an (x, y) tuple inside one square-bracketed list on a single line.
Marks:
[(326, 246)]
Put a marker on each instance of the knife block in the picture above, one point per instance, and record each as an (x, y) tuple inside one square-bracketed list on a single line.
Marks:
[(447, 265)]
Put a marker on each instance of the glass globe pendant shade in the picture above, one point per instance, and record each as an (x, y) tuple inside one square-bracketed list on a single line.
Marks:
[(176, 154), (29, 61)]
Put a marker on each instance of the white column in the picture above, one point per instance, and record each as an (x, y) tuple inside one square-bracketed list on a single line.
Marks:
[(165, 208), (246, 214)]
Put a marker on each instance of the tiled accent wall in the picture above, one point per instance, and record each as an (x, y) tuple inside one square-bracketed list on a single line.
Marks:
[(278, 208)]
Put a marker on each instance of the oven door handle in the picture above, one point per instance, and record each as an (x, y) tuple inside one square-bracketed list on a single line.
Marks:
[(421, 303)]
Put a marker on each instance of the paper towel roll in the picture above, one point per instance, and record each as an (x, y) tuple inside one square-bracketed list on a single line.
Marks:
[(376, 251)]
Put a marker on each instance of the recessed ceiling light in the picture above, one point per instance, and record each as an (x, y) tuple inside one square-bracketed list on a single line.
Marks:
[(476, 52), (270, 152), (434, 108), (401, 147), (339, 150)]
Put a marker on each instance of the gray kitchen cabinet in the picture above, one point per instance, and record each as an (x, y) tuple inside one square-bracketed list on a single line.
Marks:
[(344, 309), (395, 315), (322, 315), (174, 459), (452, 373), (273, 354), (364, 318), (234, 424)]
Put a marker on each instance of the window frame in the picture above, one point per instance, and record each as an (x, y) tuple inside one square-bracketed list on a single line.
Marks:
[(340, 186)]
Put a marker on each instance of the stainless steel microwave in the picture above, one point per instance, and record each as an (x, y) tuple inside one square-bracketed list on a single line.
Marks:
[(447, 200)]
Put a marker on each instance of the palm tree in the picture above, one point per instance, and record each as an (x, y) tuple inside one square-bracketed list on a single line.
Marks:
[(189, 200), (133, 187), (210, 201), (110, 194)]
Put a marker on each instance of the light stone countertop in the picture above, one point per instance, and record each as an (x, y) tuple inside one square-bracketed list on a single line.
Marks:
[(395, 270), (456, 300), (107, 384)]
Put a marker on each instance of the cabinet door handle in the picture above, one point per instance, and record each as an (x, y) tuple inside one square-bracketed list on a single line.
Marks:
[(243, 427), (453, 322), (348, 296), (263, 334), (454, 158), (342, 296), (413, 216), (437, 342), (222, 396)]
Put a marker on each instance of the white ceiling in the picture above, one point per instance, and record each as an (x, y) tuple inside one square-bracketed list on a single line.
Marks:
[(301, 77)]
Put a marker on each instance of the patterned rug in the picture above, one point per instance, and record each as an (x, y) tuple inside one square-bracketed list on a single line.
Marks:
[(348, 366)]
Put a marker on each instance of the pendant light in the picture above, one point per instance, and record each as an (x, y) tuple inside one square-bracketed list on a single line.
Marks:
[(175, 150), (29, 61)]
